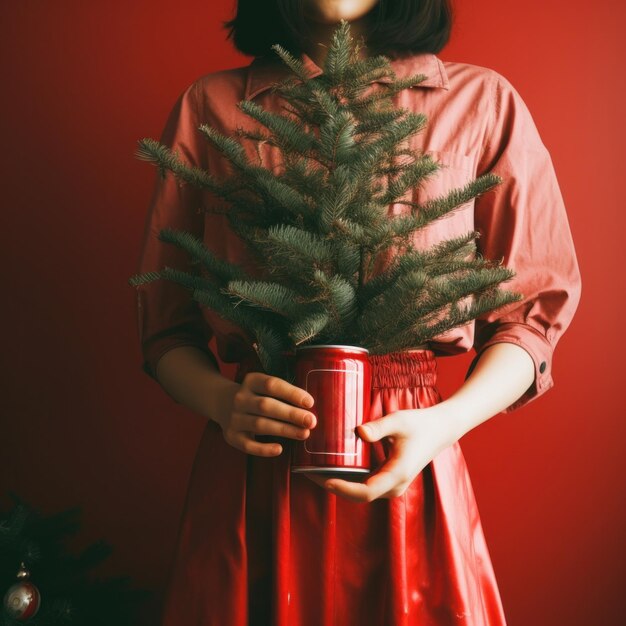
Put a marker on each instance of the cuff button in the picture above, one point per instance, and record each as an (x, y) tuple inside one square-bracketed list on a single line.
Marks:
[(542, 367)]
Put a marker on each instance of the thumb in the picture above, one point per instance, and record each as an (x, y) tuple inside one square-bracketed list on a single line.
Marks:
[(379, 428)]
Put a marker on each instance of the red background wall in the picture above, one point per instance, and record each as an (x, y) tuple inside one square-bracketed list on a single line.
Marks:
[(81, 424)]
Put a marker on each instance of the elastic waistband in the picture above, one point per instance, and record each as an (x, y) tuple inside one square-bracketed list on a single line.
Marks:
[(408, 368)]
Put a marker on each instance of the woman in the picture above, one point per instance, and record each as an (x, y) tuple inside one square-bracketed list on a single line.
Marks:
[(258, 545)]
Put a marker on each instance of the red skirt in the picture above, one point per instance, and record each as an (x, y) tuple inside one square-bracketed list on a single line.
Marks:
[(260, 546)]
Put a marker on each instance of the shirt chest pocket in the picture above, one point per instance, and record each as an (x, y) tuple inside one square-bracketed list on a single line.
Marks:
[(455, 172)]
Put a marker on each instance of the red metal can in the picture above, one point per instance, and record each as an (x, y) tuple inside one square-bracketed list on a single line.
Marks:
[(339, 379)]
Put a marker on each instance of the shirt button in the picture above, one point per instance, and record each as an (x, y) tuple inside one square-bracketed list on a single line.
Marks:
[(542, 367)]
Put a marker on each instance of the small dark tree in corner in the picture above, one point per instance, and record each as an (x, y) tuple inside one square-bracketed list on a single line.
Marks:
[(43, 584), (318, 225)]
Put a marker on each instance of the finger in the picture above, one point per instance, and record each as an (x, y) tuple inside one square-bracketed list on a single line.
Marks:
[(319, 479), (376, 486), (324, 480), (261, 425), (389, 425), (278, 410), (276, 387), (246, 443)]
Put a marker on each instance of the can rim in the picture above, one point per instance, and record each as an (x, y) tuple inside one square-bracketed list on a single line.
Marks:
[(333, 345), (330, 469)]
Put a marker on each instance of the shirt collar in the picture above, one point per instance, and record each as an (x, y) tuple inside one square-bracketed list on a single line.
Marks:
[(264, 72)]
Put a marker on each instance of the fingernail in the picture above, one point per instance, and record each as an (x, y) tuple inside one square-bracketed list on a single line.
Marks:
[(307, 401)]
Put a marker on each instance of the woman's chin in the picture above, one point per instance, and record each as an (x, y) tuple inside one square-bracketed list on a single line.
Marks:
[(329, 13)]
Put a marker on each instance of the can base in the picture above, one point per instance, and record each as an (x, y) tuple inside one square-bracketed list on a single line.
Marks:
[(330, 470)]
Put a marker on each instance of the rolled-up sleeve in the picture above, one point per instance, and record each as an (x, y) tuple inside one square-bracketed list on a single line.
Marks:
[(168, 317), (524, 223)]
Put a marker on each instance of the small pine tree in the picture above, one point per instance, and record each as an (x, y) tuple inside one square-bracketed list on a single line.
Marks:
[(70, 593), (318, 225)]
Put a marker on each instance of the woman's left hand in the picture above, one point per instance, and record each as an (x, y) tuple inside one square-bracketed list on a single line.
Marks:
[(416, 437), (503, 372)]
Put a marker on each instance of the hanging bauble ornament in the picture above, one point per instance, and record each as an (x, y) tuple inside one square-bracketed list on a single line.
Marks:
[(22, 600)]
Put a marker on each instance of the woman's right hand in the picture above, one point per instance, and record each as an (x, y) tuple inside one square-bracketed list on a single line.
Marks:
[(266, 405)]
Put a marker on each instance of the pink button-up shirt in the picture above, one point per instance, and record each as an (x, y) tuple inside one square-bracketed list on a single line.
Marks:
[(477, 122)]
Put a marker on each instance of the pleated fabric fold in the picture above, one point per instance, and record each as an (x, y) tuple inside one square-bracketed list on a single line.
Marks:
[(260, 546)]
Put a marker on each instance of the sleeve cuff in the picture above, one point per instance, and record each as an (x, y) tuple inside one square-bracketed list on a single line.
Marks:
[(158, 348), (540, 350)]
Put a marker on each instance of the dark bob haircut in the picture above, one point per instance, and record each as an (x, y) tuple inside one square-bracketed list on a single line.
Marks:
[(397, 26)]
